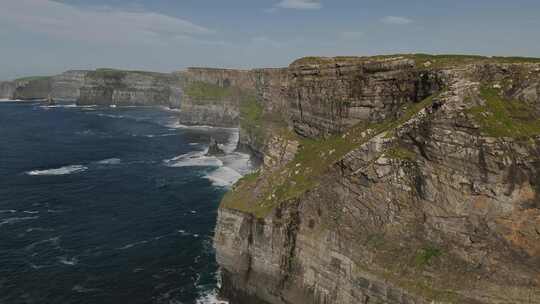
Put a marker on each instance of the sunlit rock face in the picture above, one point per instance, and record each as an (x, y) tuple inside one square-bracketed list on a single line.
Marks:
[(436, 200)]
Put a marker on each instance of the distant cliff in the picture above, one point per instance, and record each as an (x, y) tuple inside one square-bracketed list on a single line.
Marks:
[(390, 179), (26, 88), (108, 86)]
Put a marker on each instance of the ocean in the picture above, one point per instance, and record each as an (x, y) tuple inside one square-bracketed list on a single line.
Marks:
[(109, 205)]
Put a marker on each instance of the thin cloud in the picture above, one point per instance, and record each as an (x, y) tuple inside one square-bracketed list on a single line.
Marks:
[(396, 20), (95, 25), (300, 4)]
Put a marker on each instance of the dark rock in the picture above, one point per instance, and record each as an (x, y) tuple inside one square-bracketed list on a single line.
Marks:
[(214, 149)]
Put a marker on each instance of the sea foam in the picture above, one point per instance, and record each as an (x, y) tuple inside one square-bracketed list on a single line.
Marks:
[(59, 171), (228, 169)]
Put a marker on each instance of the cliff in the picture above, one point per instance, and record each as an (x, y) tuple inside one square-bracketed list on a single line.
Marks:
[(108, 86), (68, 84), (26, 88), (391, 179)]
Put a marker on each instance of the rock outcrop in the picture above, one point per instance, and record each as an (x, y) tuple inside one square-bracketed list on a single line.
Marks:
[(403, 183), (214, 149)]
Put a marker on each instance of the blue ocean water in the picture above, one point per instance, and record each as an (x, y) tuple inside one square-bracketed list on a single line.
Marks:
[(108, 205)]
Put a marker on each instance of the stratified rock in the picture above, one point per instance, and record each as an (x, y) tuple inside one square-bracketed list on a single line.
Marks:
[(429, 204)]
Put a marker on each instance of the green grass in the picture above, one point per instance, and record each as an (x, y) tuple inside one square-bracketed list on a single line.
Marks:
[(425, 255), (505, 118), (401, 153), (119, 74), (199, 90), (436, 61), (251, 117), (313, 158), (33, 78)]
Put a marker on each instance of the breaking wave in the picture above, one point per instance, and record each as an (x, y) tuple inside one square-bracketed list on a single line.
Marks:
[(210, 297), (227, 169), (109, 161), (59, 171)]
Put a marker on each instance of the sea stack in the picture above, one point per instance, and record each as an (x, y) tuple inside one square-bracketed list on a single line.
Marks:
[(50, 100), (214, 149)]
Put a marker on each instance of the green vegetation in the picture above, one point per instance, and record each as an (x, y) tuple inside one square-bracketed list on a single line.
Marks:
[(199, 90), (118, 74), (33, 78), (401, 153), (313, 158), (251, 117), (425, 255), (505, 118), (424, 60)]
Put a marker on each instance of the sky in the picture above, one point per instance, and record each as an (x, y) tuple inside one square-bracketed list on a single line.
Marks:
[(45, 37)]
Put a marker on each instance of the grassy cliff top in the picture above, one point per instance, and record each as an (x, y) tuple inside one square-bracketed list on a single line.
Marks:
[(33, 78), (421, 60)]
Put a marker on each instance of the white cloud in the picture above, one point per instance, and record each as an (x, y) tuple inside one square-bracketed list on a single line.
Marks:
[(300, 4), (351, 35), (396, 20), (95, 25)]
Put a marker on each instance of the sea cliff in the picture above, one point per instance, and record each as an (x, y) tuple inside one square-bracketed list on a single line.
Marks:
[(390, 179)]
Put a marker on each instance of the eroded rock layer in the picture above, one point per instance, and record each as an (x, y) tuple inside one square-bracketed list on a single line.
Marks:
[(420, 184)]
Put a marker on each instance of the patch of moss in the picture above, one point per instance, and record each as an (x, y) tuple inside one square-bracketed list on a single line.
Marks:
[(401, 153), (425, 255), (313, 158), (505, 118), (199, 90)]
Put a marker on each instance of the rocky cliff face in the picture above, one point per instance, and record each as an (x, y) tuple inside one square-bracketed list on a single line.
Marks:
[(29, 88), (7, 89), (68, 84), (416, 180), (117, 87)]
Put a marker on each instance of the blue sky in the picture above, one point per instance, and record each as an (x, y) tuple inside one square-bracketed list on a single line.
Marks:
[(40, 37)]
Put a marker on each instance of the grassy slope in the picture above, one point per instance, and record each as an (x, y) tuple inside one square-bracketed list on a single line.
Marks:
[(260, 194), (505, 118)]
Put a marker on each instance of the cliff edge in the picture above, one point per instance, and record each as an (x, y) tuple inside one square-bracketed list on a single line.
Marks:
[(390, 179)]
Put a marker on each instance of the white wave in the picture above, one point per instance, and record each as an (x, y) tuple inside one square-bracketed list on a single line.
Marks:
[(223, 177), (233, 141), (31, 212), (34, 266), (194, 159), (110, 115), (128, 246), (178, 125), (109, 161), (8, 211), (210, 297), (14, 220), (60, 106), (159, 135), (229, 168), (53, 241), (66, 261), (59, 171), (9, 100)]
